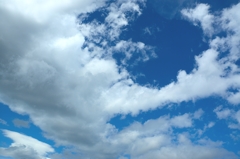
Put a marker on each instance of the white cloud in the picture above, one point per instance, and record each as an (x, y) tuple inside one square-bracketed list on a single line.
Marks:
[(119, 14), (130, 49), (60, 84), (209, 72), (43, 12), (211, 124), (25, 147), (234, 98), (223, 113), (230, 115), (189, 151), (156, 138), (230, 18), (200, 14), (61, 73), (117, 18), (182, 121), (198, 114), (200, 132)]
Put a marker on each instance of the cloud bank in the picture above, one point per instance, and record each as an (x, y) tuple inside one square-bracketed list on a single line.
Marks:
[(58, 68)]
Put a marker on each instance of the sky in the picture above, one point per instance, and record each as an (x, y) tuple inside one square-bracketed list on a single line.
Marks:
[(120, 79)]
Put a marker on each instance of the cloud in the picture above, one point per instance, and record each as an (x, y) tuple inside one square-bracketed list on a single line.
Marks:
[(198, 114), (61, 72), (182, 121), (3, 122), (25, 147), (200, 15), (189, 151), (157, 138), (21, 123), (59, 81), (160, 141), (234, 98), (123, 158), (230, 115), (237, 116), (211, 124), (223, 113), (130, 48)]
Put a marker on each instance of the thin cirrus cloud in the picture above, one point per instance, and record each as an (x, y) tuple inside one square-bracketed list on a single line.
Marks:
[(21, 123), (60, 70), (3, 122)]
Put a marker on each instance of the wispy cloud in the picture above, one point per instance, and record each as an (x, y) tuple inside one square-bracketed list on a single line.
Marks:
[(3, 122), (21, 123)]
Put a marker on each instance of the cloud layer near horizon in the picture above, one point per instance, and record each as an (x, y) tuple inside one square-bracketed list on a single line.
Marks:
[(60, 71)]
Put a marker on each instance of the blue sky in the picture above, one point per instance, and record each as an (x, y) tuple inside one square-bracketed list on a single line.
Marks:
[(120, 79)]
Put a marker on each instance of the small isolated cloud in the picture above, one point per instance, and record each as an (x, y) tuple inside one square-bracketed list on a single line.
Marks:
[(198, 114), (223, 113), (211, 124), (25, 147), (205, 128), (21, 123), (182, 121), (3, 122), (147, 30)]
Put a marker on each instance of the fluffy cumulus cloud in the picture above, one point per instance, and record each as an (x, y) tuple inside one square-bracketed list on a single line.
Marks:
[(58, 67)]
